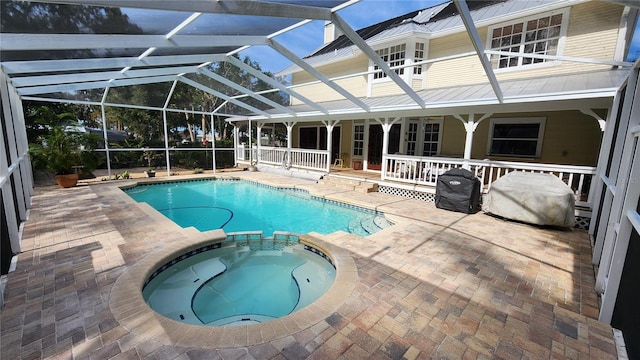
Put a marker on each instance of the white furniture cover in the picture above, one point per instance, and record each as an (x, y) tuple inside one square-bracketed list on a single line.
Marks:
[(535, 198)]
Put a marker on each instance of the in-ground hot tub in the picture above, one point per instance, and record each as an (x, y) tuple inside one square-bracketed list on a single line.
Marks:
[(241, 281)]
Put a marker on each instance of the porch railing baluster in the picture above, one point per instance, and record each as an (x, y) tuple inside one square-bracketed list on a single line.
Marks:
[(426, 170)]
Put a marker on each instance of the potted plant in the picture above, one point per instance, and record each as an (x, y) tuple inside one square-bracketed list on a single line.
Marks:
[(62, 149), (59, 152), (150, 156)]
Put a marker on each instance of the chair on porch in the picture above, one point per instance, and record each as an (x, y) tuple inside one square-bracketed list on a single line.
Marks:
[(339, 160)]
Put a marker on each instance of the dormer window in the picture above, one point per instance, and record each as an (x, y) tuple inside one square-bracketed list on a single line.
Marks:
[(403, 58), (394, 56), (540, 35)]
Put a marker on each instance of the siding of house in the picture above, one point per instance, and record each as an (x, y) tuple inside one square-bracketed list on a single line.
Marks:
[(385, 87), (455, 72), (321, 92), (592, 24), (453, 137)]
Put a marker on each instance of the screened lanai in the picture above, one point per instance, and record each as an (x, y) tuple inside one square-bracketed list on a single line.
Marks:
[(93, 50)]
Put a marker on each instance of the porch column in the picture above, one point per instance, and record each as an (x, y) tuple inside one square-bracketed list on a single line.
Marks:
[(386, 128), (330, 124), (289, 126), (287, 156), (250, 145), (365, 146), (470, 126)]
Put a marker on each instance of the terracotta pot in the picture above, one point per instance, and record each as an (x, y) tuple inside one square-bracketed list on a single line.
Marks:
[(67, 180)]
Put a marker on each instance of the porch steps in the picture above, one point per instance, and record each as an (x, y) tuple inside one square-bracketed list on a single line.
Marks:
[(348, 184)]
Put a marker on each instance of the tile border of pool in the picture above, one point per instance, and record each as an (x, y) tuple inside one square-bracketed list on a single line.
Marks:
[(132, 312)]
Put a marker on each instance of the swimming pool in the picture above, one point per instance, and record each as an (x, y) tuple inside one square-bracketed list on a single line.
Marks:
[(240, 282), (236, 205)]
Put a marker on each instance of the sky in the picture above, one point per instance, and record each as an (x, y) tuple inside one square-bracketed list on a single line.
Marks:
[(304, 40)]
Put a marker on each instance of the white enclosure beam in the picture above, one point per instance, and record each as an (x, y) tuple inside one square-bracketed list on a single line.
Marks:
[(367, 50), (318, 75), (25, 81), (566, 58), (463, 9), (206, 89), (46, 66), (93, 85), (24, 42), (244, 90), (275, 83), (252, 7)]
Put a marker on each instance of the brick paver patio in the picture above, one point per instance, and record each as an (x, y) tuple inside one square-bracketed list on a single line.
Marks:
[(438, 284)]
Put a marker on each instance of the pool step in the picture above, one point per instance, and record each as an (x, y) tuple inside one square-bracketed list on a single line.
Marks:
[(368, 224), (348, 184)]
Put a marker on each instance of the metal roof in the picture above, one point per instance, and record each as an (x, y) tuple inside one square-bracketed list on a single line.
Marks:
[(590, 90)]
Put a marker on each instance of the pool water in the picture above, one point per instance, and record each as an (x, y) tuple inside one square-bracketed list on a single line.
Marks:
[(236, 285), (235, 206)]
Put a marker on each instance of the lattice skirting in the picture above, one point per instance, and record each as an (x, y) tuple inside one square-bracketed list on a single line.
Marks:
[(406, 193), (582, 222)]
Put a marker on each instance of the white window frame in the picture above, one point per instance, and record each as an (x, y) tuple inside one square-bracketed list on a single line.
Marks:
[(426, 122), (420, 141), (419, 70), (515, 121), (361, 141), (521, 54), (388, 52)]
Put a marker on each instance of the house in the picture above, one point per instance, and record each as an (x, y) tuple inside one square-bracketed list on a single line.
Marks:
[(538, 100)]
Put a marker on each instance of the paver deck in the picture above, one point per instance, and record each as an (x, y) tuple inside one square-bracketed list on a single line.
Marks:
[(438, 284)]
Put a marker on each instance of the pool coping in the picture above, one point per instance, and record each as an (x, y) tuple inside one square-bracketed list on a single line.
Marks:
[(132, 312)]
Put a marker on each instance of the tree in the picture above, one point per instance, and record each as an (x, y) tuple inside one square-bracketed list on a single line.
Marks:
[(186, 97), (141, 123), (36, 17)]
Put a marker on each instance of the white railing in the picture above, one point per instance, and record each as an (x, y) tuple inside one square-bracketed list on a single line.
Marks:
[(243, 153), (310, 159), (287, 158), (425, 171), (273, 156)]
